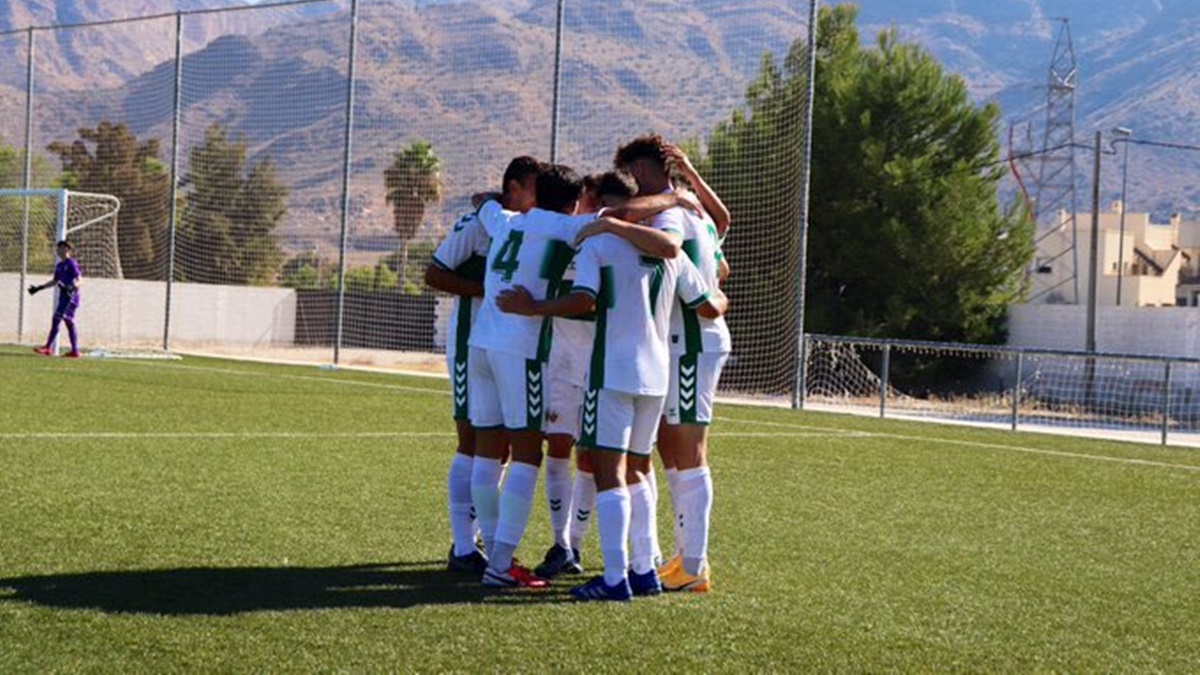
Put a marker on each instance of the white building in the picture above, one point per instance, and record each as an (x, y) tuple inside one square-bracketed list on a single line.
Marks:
[(1159, 264)]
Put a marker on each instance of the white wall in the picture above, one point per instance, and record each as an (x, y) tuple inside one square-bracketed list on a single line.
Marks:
[(124, 312), (1159, 331)]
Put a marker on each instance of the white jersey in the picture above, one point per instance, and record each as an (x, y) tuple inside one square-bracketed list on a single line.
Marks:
[(463, 251), (690, 333), (634, 294), (531, 250)]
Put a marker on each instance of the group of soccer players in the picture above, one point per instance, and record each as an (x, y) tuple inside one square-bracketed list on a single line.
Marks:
[(588, 312)]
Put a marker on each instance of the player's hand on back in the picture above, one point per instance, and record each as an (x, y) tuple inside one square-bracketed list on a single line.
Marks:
[(688, 201), (598, 226), (516, 300), (481, 197)]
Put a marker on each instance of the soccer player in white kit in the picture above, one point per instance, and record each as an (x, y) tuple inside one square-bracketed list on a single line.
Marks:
[(457, 268), (509, 353), (571, 503), (699, 347), (631, 294)]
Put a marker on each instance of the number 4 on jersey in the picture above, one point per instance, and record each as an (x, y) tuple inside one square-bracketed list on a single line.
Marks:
[(506, 258)]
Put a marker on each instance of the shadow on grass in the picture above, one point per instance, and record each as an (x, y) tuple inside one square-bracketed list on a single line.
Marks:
[(225, 591)]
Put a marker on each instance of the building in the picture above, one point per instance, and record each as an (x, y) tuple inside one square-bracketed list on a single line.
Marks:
[(1157, 265)]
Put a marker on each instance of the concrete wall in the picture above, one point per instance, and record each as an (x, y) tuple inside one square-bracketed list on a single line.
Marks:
[(1160, 331), (131, 313)]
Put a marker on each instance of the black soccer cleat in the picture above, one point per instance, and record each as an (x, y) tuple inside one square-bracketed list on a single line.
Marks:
[(473, 563), (558, 561)]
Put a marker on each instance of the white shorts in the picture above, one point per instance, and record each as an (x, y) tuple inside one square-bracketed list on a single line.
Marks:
[(567, 369), (506, 391), (620, 422), (693, 387)]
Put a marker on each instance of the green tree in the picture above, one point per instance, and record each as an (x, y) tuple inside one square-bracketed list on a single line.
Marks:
[(110, 159), (227, 232), (40, 245), (907, 238), (411, 181)]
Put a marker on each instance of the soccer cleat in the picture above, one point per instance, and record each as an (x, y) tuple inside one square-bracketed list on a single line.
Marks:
[(71, 355), (669, 567), (515, 577), (559, 561), (679, 580), (44, 351), (645, 584), (596, 589), (472, 563)]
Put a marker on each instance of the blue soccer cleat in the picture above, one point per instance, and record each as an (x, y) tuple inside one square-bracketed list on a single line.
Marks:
[(645, 585), (596, 589)]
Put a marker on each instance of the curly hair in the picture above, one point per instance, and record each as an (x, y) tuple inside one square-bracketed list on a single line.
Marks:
[(651, 147)]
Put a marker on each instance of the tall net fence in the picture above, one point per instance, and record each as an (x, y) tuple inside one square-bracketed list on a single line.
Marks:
[(231, 161)]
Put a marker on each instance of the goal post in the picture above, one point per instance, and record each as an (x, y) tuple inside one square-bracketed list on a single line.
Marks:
[(31, 222)]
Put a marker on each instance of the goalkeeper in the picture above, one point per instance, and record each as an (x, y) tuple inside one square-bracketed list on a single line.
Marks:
[(66, 277)]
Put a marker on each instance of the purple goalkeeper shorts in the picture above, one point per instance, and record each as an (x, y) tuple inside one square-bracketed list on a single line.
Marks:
[(67, 304)]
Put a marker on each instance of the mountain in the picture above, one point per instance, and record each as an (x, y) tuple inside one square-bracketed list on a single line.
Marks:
[(476, 79)]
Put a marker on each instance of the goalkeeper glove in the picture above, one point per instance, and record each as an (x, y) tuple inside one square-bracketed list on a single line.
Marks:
[(34, 288)]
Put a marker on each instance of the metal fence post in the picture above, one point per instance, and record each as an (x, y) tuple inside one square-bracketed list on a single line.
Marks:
[(1166, 402), (28, 177), (556, 101), (885, 370), (1016, 395), (346, 155), (805, 185), (174, 217)]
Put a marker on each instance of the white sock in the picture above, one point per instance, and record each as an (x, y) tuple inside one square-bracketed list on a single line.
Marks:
[(612, 508), (458, 488), (583, 502), (695, 499), (485, 495), (676, 515), (651, 481), (516, 503), (558, 497), (641, 526)]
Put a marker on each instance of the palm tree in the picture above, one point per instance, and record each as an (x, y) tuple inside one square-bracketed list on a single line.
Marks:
[(412, 180)]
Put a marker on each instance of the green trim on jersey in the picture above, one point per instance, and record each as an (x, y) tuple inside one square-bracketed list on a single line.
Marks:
[(604, 302), (697, 302), (656, 278), (555, 260), (692, 340)]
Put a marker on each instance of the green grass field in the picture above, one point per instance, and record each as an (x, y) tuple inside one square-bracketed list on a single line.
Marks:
[(214, 515)]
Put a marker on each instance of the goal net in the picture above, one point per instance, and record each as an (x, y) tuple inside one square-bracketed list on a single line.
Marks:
[(31, 222)]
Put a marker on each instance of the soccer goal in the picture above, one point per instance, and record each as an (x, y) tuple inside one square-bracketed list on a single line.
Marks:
[(31, 221)]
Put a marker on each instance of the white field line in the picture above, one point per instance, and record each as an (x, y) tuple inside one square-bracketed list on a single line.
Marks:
[(817, 430), (313, 378), (103, 435), (977, 444)]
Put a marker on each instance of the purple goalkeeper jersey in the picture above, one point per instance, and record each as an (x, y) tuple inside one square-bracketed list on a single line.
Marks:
[(66, 273)]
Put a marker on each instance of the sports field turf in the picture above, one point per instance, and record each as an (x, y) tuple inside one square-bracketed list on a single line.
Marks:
[(202, 515)]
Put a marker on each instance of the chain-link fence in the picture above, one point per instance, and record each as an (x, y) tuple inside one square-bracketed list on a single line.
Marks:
[(1122, 396), (248, 148)]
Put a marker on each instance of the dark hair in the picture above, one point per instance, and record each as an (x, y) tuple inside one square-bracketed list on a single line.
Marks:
[(519, 169), (66, 243), (558, 187), (611, 184), (651, 147)]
